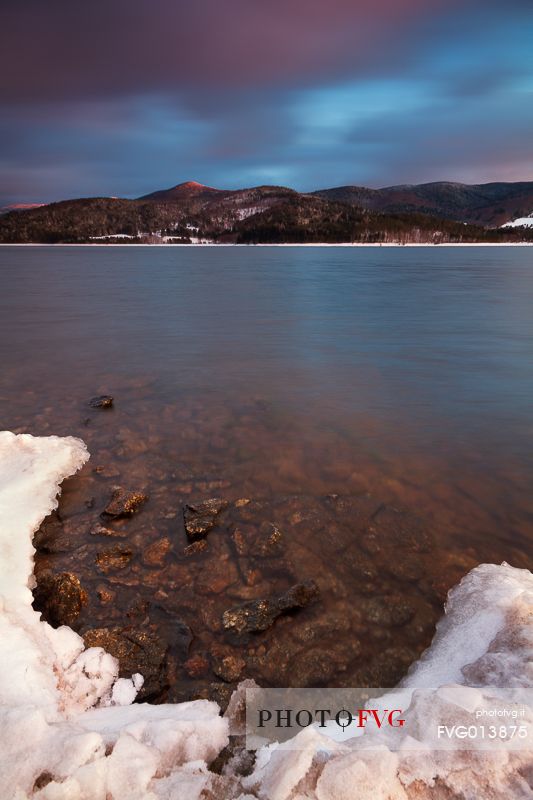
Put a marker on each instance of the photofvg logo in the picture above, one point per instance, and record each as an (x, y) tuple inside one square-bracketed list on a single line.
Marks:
[(280, 714), (324, 717), (449, 718)]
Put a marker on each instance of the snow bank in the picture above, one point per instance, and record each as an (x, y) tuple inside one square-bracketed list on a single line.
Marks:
[(486, 636), (52, 746)]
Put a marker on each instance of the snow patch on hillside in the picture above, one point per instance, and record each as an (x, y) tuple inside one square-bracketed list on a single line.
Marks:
[(244, 213), (521, 222), (113, 236)]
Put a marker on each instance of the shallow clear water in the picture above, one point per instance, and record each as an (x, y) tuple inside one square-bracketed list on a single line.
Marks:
[(406, 373), (432, 347)]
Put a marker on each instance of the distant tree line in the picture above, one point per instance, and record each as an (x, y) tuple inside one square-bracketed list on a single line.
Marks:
[(269, 215)]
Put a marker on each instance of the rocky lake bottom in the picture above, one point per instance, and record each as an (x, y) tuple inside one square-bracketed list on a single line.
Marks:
[(200, 548)]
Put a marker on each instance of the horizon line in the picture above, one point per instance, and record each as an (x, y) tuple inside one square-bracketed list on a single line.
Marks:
[(193, 183)]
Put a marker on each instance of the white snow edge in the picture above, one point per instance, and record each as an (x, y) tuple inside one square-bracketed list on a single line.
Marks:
[(520, 222)]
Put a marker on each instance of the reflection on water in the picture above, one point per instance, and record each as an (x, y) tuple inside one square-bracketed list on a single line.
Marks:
[(321, 389)]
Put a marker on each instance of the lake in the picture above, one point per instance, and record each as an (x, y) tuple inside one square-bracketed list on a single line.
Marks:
[(372, 405)]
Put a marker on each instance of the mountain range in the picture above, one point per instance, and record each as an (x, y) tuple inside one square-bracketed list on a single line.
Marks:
[(191, 212), (487, 204)]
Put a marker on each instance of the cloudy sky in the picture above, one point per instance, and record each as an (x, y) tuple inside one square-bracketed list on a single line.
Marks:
[(121, 97)]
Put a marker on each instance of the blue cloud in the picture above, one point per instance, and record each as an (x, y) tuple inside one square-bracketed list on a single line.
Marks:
[(309, 94)]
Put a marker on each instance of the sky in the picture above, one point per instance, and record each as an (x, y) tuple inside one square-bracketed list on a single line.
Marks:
[(123, 97)]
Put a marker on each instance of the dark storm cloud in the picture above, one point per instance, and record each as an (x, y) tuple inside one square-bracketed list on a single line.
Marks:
[(124, 96), (64, 48)]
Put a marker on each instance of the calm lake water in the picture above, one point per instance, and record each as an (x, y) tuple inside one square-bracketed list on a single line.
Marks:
[(282, 376)]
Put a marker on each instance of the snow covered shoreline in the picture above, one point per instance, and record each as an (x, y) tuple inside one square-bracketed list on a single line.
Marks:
[(68, 730), (286, 244)]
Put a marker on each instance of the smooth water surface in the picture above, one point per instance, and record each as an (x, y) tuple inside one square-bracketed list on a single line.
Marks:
[(434, 346)]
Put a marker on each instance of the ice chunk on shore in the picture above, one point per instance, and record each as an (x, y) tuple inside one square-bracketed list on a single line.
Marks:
[(31, 470), (51, 746), (492, 601)]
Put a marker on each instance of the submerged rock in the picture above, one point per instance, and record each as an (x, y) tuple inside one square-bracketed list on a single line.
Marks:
[(335, 622), (197, 666), (314, 667), (196, 547), (386, 611), (107, 470), (137, 651), (52, 537), (212, 486), (258, 615), (220, 693), (155, 554), (228, 667), (104, 594), (113, 558), (385, 669), (396, 531), (262, 542), (200, 517), (242, 501), (59, 597), (102, 401), (100, 530), (124, 503), (180, 637)]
